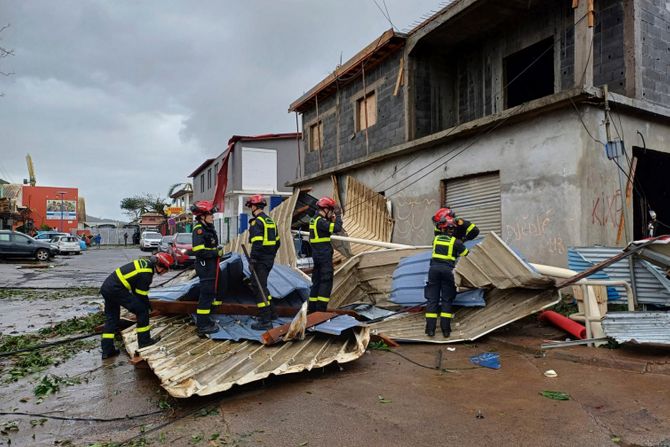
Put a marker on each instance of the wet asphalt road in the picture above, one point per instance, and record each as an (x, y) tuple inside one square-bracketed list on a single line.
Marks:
[(379, 400)]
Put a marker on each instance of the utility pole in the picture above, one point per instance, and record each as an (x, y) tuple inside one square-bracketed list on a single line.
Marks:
[(61, 194)]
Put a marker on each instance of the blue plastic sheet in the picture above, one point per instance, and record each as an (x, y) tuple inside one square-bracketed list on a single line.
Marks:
[(487, 360), (238, 327)]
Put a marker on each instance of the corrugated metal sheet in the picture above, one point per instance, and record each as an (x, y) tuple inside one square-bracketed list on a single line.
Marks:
[(578, 263), (650, 285), (337, 325), (188, 365), (638, 327), (366, 216), (238, 327), (283, 216), (477, 199), (492, 263), (502, 307)]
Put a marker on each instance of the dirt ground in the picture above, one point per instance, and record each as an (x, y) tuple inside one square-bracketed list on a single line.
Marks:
[(380, 399)]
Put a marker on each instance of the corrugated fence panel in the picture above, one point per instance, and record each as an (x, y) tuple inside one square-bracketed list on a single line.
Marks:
[(476, 199)]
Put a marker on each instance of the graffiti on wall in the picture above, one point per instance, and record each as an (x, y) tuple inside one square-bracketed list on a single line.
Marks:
[(412, 220), (606, 209), (536, 230)]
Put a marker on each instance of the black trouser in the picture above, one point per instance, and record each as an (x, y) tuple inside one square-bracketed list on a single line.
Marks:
[(322, 283), (262, 268), (206, 271), (440, 293), (115, 297)]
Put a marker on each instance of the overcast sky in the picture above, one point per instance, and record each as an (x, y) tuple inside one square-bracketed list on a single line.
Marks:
[(125, 97)]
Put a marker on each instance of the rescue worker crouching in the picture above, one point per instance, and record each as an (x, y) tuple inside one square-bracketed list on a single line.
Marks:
[(321, 227), (440, 290), (207, 252), (264, 240), (128, 286), (465, 230)]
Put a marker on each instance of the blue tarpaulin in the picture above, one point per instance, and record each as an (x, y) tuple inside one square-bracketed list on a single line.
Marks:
[(409, 280), (487, 360)]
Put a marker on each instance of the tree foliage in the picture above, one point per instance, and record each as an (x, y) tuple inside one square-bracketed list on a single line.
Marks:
[(138, 204)]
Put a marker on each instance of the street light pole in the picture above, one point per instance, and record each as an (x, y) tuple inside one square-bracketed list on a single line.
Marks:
[(61, 194)]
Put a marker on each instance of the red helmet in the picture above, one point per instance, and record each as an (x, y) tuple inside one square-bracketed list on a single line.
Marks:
[(163, 259), (449, 223), (441, 215), (257, 200), (203, 207), (326, 202)]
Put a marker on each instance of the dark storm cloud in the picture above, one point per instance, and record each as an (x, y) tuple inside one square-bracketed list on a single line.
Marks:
[(124, 97)]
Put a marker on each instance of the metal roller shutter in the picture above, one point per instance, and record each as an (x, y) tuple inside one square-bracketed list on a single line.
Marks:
[(477, 199)]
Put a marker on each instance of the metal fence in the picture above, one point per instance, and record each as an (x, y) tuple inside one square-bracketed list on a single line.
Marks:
[(113, 236)]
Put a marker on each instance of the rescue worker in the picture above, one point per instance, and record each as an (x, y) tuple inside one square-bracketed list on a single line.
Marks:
[(440, 290), (321, 227), (207, 252), (465, 230), (128, 286), (264, 240)]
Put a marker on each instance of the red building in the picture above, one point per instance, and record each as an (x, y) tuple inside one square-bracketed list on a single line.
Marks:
[(53, 206)]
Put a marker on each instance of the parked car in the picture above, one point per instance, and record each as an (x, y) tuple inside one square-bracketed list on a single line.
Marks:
[(181, 249), (67, 244), (150, 240), (47, 236), (15, 244), (166, 244)]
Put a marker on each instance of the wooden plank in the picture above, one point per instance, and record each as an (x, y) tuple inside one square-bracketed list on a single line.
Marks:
[(275, 335), (385, 339), (629, 192), (401, 74)]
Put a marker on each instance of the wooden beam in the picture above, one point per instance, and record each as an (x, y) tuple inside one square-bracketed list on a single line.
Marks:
[(629, 191), (384, 338), (275, 335), (399, 79), (189, 307)]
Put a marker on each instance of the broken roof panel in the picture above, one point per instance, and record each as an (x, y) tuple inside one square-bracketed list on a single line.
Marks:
[(638, 327), (238, 327), (492, 263), (188, 365), (337, 325), (502, 308)]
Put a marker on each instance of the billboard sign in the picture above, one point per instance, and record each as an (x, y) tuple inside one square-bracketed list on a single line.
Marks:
[(65, 209)]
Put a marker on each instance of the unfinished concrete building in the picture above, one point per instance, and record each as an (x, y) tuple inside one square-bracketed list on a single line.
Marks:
[(498, 109)]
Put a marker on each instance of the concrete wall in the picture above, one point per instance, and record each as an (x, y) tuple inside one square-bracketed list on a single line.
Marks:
[(654, 16), (287, 161), (608, 46), (341, 143), (206, 193)]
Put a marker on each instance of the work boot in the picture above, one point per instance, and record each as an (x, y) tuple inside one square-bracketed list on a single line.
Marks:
[(209, 328), (273, 311), (144, 340), (264, 322), (311, 306), (431, 323), (108, 348), (445, 325)]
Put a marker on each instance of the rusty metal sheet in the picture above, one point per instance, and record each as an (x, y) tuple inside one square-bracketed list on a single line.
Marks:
[(188, 365), (492, 263), (638, 327), (502, 308), (283, 216)]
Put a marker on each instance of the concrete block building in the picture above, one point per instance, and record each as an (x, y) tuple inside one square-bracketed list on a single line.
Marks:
[(502, 110)]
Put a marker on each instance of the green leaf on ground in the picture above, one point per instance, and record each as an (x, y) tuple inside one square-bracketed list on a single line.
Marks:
[(379, 346), (51, 383), (555, 395)]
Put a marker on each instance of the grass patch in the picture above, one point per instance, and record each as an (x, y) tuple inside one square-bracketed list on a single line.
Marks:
[(48, 294), (75, 325)]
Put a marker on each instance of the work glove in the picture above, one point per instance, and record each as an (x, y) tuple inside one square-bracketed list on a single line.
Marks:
[(219, 251)]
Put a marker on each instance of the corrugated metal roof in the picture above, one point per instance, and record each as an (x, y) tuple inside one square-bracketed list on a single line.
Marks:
[(638, 327), (409, 280), (502, 308), (337, 325), (650, 287), (188, 365), (238, 327), (492, 263), (578, 263)]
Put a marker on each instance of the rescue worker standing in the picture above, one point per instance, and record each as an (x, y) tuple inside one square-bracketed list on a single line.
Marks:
[(207, 251), (321, 227), (264, 240), (128, 286), (465, 230), (440, 290)]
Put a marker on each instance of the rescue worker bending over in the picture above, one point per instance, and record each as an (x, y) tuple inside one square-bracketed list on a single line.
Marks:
[(465, 230), (128, 286), (264, 240), (321, 227), (207, 253), (440, 290)]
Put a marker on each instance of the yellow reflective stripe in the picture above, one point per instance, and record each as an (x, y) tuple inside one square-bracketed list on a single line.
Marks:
[(107, 335), (142, 329), (315, 232), (465, 252), (262, 304), (142, 292), (446, 315), (431, 315), (125, 283), (439, 241), (324, 299), (257, 239), (203, 311), (331, 227), (197, 226), (268, 224), (269, 297), (313, 298), (217, 303), (470, 228), (198, 247)]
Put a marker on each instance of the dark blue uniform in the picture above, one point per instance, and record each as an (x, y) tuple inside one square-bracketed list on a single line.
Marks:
[(320, 230), (264, 239), (205, 243)]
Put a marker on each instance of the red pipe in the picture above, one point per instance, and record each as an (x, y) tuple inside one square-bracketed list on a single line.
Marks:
[(571, 327)]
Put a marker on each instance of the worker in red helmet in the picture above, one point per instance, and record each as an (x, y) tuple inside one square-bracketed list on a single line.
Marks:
[(207, 252), (264, 240), (465, 230), (326, 222), (128, 286), (440, 290)]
